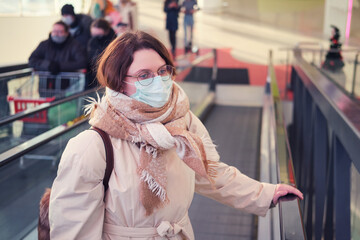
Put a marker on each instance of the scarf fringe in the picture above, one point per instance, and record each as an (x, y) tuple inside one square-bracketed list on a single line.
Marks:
[(135, 139), (153, 185), (207, 142), (92, 103), (151, 151)]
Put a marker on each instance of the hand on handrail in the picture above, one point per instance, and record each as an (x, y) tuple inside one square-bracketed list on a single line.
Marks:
[(284, 190)]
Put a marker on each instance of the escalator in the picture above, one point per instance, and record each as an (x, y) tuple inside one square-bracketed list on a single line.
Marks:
[(236, 132)]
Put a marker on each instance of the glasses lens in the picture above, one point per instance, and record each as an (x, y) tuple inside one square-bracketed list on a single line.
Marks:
[(145, 78), (166, 71)]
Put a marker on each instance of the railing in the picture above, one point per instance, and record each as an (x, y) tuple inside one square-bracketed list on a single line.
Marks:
[(347, 78), (325, 139), (285, 220), (13, 67), (21, 126), (45, 106)]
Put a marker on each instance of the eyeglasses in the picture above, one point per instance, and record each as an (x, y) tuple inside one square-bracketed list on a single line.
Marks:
[(166, 72)]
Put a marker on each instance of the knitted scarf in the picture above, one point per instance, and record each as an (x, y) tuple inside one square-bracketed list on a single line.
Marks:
[(155, 130)]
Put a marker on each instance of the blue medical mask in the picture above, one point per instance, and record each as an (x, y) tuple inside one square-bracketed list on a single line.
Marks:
[(68, 20), (155, 94), (58, 39)]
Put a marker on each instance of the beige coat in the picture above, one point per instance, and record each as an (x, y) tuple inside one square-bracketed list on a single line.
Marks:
[(77, 210)]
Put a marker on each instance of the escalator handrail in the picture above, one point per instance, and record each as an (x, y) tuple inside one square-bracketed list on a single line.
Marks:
[(291, 220), (45, 106), (13, 67), (15, 74), (20, 150)]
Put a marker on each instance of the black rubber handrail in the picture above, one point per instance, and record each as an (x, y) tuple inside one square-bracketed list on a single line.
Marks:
[(15, 74), (44, 106), (291, 220), (13, 67), (22, 149)]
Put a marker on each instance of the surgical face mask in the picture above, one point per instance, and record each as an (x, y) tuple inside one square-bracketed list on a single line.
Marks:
[(156, 94), (68, 20), (58, 39)]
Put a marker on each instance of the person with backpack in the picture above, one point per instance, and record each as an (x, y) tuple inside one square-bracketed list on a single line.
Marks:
[(162, 155)]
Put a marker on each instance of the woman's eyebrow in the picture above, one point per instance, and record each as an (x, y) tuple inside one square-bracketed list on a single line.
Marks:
[(141, 70), (146, 69)]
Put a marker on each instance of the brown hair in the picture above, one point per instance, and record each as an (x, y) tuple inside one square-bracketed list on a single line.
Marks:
[(118, 56), (66, 28), (102, 24)]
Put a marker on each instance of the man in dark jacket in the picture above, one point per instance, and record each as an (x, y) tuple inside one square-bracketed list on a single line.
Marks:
[(79, 24), (59, 53)]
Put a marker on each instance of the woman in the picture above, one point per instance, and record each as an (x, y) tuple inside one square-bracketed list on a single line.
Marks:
[(101, 36), (172, 8), (162, 154)]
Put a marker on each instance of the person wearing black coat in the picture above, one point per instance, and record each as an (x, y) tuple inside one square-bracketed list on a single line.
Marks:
[(59, 53), (172, 8), (102, 34), (79, 24)]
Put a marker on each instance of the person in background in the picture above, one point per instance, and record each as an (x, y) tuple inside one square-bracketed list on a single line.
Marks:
[(127, 11), (59, 53), (79, 24), (188, 7), (162, 155), (97, 9), (334, 59), (172, 8), (101, 35)]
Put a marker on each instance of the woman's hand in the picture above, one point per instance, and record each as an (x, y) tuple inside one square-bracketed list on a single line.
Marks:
[(284, 189)]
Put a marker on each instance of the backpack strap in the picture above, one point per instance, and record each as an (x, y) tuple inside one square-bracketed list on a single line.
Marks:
[(109, 155)]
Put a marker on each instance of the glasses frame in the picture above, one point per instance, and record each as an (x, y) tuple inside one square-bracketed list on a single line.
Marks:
[(153, 74)]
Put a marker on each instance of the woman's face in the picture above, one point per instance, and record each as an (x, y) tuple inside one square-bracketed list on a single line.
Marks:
[(144, 59)]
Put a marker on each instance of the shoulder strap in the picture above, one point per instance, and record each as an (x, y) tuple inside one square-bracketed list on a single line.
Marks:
[(109, 155)]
